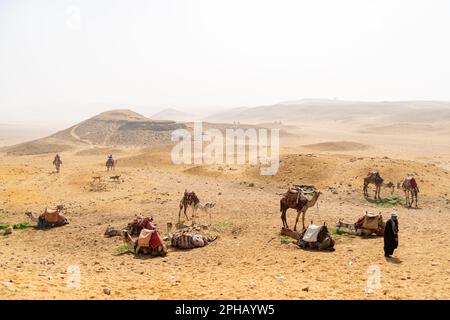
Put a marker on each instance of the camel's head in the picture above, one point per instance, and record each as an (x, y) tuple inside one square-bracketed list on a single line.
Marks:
[(210, 205), (109, 231)]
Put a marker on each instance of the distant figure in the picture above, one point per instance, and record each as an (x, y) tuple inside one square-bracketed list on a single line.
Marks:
[(110, 163), (391, 235), (57, 162)]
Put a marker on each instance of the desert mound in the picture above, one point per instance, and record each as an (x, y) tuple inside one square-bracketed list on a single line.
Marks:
[(112, 128)]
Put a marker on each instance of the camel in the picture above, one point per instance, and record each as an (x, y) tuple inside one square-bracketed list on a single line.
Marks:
[(187, 238), (316, 237), (374, 178), (111, 164), (134, 228), (57, 163), (49, 218), (296, 199), (409, 186), (137, 246), (206, 207), (366, 225), (190, 199)]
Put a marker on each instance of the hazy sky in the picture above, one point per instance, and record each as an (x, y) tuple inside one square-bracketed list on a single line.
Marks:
[(85, 56)]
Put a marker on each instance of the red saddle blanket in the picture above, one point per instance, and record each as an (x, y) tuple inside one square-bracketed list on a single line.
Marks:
[(412, 182), (150, 238)]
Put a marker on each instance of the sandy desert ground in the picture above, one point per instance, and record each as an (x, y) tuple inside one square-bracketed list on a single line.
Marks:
[(249, 260)]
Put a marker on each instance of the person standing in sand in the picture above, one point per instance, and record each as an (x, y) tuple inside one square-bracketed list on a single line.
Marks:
[(57, 162), (391, 235)]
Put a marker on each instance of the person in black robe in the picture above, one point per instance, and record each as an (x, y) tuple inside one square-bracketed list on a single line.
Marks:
[(391, 235)]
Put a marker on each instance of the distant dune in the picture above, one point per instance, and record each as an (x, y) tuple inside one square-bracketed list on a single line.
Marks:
[(173, 114), (400, 129), (338, 110), (337, 146)]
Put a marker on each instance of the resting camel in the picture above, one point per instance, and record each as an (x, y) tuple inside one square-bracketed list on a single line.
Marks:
[(190, 199), (57, 163), (374, 178), (296, 199), (50, 218), (136, 246), (134, 228), (409, 186)]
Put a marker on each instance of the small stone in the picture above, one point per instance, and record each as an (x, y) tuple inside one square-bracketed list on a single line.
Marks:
[(49, 277), (306, 289), (107, 291)]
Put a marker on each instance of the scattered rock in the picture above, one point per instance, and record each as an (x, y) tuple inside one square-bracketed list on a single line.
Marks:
[(305, 289), (107, 291), (251, 184), (8, 230)]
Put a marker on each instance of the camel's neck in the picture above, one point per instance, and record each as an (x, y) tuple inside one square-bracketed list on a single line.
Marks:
[(313, 200), (33, 218)]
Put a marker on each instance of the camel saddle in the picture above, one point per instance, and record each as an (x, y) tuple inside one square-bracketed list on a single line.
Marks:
[(311, 233), (296, 194), (411, 182), (52, 215), (149, 239), (370, 221), (191, 197)]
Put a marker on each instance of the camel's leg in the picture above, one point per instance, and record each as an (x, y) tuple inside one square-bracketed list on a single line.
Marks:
[(417, 196), (194, 209), (296, 220), (185, 214), (303, 219), (179, 214), (410, 198), (283, 218)]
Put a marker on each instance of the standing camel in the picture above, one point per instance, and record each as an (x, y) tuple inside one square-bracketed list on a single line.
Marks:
[(374, 178), (411, 189), (298, 201), (57, 163), (189, 199)]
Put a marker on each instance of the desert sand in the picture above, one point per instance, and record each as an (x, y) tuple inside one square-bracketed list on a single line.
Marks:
[(249, 260)]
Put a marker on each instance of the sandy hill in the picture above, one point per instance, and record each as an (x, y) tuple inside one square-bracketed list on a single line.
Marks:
[(338, 110), (173, 114), (112, 128)]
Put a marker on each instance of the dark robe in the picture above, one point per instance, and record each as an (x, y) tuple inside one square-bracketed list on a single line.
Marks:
[(390, 237)]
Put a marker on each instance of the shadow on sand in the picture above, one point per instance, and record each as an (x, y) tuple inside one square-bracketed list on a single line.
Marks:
[(393, 260)]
